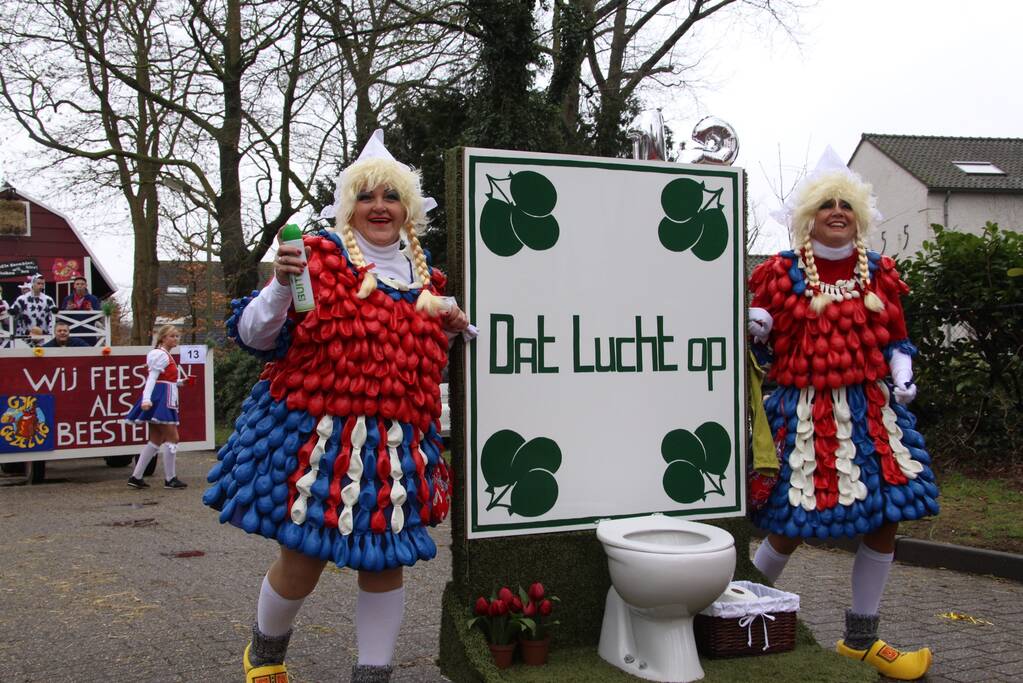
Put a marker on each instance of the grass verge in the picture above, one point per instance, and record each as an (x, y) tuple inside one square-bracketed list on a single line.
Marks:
[(976, 511)]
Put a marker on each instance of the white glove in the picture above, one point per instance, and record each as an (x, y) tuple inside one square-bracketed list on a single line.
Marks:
[(760, 324), (901, 365), (904, 395)]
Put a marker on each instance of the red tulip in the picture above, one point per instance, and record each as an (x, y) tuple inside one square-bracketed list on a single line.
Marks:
[(482, 607), (498, 608), (546, 607), (530, 609), (536, 591), (505, 594), (515, 604)]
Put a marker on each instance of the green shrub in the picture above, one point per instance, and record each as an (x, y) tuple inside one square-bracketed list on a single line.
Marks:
[(236, 371), (965, 313)]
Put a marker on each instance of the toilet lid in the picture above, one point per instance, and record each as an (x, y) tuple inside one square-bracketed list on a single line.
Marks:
[(663, 535)]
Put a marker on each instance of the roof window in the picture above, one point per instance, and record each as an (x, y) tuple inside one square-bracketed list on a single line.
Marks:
[(978, 168)]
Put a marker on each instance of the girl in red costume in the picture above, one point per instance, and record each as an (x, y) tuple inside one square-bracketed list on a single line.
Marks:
[(336, 454), (158, 406), (851, 461)]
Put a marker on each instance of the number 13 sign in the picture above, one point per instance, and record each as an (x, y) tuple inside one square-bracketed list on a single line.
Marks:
[(192, 355)]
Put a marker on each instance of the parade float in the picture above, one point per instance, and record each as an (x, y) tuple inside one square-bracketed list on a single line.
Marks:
[(599, 422), (65, 403)]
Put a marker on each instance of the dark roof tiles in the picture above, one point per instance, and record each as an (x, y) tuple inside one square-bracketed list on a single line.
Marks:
[(930, 160)]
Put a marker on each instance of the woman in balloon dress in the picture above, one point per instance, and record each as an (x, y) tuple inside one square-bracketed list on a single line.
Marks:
[(336, 454), (851, 462)]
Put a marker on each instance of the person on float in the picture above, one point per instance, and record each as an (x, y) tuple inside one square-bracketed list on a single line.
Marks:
[(336, 454), (80, 299), (851, 462), (62, 337), (6, 331), (158, 407), (33, 312)]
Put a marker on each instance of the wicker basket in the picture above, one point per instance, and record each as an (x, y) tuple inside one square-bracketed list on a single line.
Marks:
[(764, 625)]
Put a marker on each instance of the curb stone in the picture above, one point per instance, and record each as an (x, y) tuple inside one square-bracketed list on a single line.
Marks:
[(936, 555)]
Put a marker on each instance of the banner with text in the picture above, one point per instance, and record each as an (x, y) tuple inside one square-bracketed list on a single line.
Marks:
[(608, 379), (69, 403)]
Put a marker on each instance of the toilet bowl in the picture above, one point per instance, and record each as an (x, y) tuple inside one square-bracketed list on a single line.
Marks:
[(664, 571)]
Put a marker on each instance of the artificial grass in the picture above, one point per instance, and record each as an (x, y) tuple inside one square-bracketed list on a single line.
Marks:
[(805, 663), (464, 658)]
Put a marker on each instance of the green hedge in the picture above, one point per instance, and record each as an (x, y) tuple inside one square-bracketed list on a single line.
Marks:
[(235, 371), (965, 313)]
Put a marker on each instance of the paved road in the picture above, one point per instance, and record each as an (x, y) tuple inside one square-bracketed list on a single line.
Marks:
[(99, 582)]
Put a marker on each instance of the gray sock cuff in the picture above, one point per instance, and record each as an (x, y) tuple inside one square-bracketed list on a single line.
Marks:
[(860, 629), (268, 649), (367, 673)]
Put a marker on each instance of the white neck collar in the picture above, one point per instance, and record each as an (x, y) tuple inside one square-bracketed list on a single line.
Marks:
[(832, 253), (390, 263), (373, 252)]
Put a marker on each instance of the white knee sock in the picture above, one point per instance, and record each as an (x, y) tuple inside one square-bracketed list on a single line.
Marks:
[(170, 454), (869, 576), (769, 561), (378, 618), (274, 614), (145, 456)]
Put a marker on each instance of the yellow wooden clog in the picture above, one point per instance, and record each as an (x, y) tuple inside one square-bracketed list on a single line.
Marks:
[(269, 673), (893, 663)]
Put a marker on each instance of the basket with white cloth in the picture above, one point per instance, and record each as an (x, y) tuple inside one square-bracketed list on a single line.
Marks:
[(747, 619)]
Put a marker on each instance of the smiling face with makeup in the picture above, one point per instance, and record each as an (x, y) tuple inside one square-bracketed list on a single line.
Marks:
[(379, 215), (834, 224)]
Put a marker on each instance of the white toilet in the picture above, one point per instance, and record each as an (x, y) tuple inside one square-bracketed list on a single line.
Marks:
[(663, 572)]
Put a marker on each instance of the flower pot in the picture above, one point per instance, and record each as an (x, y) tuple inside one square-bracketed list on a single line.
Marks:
[(502, 654), (534, 652)]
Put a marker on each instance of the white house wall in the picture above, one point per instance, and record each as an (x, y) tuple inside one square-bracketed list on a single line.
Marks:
[(902, 200), (969, 212)]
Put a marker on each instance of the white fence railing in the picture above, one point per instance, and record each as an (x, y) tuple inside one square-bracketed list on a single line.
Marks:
[(90, 326)]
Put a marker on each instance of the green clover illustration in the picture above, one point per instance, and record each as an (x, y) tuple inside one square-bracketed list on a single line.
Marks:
[(517, 213), (693, 219), (694, 461), (525, 469)]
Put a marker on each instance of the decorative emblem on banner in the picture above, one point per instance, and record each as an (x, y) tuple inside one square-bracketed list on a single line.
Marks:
[(694, 461), (518, 212), (525, 469), (26, 423), (694, 219), (65, 269)]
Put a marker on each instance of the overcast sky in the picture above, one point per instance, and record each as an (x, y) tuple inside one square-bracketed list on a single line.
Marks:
[(906, 67), (911, 67)]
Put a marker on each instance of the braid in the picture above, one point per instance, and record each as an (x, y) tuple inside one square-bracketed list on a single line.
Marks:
[(418, 257), (426, 301), (870, 299), (864, 266), (369, 281), (819, 300)]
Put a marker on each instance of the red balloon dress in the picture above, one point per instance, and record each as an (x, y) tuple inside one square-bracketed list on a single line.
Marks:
[(850, 456), (336, 453)]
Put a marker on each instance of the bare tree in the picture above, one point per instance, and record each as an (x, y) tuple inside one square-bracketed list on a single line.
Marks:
[(67, 100), (389, 48), (629, 45)]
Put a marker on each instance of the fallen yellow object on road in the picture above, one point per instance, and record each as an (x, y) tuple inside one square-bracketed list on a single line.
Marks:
[(958, 616)]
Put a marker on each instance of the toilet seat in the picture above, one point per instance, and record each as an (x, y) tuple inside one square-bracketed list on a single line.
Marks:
[(653, 534)]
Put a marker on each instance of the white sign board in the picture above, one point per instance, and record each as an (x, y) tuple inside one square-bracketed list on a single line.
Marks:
[(192, 354), (608, 377)]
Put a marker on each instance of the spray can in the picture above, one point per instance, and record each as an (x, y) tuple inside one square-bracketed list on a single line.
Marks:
[(301, 285)]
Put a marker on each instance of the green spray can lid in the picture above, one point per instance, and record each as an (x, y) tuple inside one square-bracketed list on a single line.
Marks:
[(291, 232)]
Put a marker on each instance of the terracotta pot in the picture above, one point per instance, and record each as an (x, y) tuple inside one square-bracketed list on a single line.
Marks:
[(534, 652), (502, 654)]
